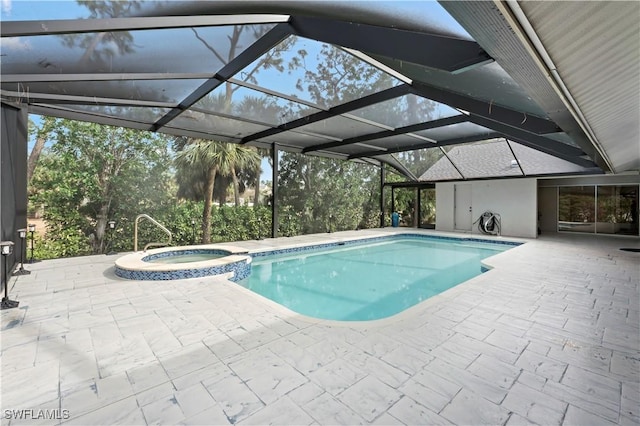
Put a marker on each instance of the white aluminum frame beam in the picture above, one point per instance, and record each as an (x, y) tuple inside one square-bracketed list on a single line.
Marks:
[(38, 78), (84, 100), (75, 26)]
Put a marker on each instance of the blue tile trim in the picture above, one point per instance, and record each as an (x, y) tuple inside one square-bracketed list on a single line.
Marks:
[(241, 270), (376, 239)]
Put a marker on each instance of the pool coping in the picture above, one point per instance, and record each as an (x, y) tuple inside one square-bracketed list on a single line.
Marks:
[(262, 252)]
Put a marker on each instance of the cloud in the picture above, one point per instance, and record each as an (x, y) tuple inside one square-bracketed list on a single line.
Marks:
[(14, 43), (6, 6)]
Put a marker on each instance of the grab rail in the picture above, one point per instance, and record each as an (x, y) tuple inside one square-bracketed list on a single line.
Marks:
[(155, 222)]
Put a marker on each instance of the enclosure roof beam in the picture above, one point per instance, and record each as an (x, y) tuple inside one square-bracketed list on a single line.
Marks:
[(40, 78), (274, 93), (518, 119), (53, 111), (81, 100), (245, 58), (436, 51), (77, 26), (444, 142), (387, 133), (347, 107), (545, 144), (394, 163)]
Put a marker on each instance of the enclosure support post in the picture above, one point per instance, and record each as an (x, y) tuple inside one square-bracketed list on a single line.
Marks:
[(381, 195), (274, 191), (416, 213), (393, 199)]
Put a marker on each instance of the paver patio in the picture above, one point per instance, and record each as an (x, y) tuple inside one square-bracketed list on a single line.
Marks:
[(550, 336)]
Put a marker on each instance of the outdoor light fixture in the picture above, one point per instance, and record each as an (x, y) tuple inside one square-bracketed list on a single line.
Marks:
[(112, 228), (22, 233), (193, 231), (6, 248), (32, 229)]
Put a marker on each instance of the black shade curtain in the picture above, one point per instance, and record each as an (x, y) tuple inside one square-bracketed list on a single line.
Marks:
[(13, 176)]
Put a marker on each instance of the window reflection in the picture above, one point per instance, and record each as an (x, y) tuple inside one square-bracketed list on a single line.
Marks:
[(428, 208), (576, 209), (617, 210)]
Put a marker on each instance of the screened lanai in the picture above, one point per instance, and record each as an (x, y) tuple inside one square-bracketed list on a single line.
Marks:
[(343, 81), (501, 104), (438, 91)]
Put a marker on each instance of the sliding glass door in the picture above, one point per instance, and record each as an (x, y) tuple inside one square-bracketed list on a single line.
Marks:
[(576, 208), (617, 210), (602, 209)]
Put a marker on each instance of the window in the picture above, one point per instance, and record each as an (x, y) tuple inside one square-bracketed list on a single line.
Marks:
[(617, 210), (602, 209), (576, 209), (428, 208)]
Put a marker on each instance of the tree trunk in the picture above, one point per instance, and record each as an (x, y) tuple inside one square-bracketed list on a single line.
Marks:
[(256, 192), (208, 199), (101, 226), (236, 187), (34, 156)]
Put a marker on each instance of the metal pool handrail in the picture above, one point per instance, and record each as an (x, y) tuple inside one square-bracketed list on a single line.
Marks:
[(155, 222)]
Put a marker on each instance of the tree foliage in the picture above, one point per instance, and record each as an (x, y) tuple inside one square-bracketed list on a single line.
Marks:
[(92, 174), (320, 194)]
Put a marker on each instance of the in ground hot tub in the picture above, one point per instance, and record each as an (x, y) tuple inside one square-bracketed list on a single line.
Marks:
[(175, 263)]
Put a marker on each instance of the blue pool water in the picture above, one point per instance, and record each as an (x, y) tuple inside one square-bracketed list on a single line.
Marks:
[(369, 281)]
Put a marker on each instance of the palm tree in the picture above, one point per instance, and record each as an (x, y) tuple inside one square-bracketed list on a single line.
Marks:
[(233, 158), (212, 158), (202, 155), (257, 173)]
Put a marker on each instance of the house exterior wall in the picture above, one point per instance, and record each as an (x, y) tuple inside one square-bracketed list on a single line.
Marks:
[(548, 208), (518, 201), (444, 206), (515, 200)]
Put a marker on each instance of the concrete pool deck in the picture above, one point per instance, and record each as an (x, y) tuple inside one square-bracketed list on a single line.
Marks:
[(550, 336)]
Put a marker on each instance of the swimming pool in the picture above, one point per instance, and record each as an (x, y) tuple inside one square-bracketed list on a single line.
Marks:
[(367, 281)]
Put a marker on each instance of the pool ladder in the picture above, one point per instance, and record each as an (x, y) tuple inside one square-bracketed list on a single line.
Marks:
[(155, 222)]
